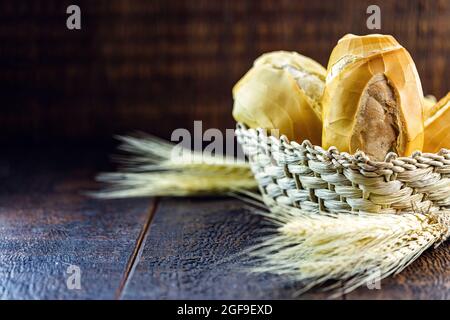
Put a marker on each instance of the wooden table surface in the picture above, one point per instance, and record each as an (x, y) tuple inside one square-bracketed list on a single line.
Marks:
[(144, 248)]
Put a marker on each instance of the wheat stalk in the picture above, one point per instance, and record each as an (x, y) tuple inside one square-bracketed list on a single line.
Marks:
[(154, 167), (357, 248)]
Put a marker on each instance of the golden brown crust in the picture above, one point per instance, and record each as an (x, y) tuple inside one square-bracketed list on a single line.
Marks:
[(429, 102), (355, 61), (282, 91), (437, 126)]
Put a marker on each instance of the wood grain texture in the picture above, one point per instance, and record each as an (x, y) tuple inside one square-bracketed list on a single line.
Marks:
[(192, 250), (158, 65), (47, 225)]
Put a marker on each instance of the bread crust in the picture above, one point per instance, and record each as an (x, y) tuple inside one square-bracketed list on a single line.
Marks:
[(437, 126), (271, 95), (354, 62)]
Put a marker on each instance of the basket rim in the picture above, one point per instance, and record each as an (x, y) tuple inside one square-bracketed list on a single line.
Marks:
[(442, 158)]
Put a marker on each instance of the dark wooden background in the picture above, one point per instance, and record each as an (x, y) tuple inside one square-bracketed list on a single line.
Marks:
[(158, 65)]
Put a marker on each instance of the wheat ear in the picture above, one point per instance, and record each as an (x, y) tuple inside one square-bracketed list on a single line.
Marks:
[(154, 167), (358, 248)]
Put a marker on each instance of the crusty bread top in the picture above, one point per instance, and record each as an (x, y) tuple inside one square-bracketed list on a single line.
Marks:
[(441, 105), (294, 59), (307, 73), (362, 46), (282, 91)]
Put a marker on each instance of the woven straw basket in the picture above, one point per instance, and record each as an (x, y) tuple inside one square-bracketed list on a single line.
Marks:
[(314, 179)]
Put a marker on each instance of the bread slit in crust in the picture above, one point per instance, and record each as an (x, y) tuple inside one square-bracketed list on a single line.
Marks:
[(376, 130)]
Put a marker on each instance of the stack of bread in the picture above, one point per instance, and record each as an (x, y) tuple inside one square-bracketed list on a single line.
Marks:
[(368, 99)]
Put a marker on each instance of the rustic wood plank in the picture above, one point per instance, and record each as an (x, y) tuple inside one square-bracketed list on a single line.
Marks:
[(46, 224), (191, 253)]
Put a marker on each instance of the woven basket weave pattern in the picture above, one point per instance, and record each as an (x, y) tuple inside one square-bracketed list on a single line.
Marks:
[(311, 178)]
